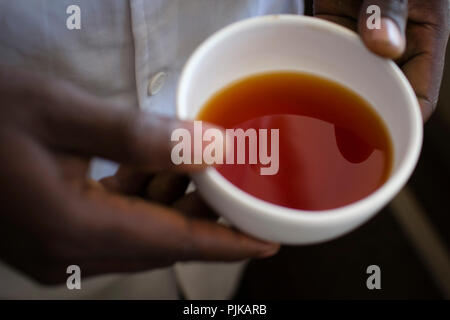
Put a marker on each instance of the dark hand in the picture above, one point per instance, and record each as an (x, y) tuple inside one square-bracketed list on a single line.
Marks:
[(413, 32), (52, 216)]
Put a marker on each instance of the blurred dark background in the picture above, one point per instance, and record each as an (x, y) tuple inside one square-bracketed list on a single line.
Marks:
[(408, 240)]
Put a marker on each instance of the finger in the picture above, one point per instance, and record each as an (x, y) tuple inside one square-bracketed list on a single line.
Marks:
[(389, 40), (163, 187), (166, 187), (99, 267), (424, 72), (344, 13), (194, 206), (71, 167), (423, 63), (73, 120), (124, 228), (127, 181)]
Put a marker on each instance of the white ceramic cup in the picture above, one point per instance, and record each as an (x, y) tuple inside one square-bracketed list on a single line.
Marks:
[(298, 43)]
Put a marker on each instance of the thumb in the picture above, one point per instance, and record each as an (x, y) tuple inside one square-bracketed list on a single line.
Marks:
[(78, 122), (388, 38)]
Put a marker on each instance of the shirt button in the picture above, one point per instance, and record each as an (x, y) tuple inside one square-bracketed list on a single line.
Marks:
[(156, 83)]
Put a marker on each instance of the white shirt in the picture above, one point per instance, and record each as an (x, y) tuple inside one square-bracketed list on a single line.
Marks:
[(121, 46)]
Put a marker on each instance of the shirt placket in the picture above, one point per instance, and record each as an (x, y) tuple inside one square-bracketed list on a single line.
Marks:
[(141, 48), (155, 43)]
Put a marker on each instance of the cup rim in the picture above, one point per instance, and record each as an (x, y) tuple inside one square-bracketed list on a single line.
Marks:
[(377, 198)]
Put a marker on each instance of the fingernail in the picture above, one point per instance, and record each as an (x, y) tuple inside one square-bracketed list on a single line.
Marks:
[(392, 32), (388, 40), (272, 250)]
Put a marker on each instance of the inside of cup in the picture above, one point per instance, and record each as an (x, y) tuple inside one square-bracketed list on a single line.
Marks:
[(304, 45)]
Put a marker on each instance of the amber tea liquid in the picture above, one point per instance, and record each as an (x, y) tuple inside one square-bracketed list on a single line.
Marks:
[(334, 149)]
